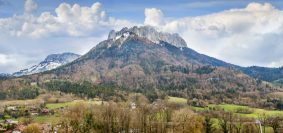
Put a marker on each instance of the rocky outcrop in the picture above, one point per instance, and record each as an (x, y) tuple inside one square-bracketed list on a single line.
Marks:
[(149, 33)]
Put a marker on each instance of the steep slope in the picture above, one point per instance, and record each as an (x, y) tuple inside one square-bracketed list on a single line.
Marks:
[(50, 62)]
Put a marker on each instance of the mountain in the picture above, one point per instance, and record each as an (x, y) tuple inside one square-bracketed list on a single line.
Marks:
[(133, 59), (262, 73), (143, 60), (153, 36), (50, 62), (139, 49), (5, 76)]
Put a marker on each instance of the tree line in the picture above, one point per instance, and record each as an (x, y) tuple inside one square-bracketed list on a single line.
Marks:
[(138, 115), (21, 94)]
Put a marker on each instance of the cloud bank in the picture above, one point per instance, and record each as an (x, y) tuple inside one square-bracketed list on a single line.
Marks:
[(26, 39), (69, 20), (248, 36)]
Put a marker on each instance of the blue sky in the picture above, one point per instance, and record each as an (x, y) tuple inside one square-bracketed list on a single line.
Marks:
[(133, 9), (236, 31)]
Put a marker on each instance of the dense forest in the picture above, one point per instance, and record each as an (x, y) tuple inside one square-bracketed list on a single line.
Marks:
[(22, 93)]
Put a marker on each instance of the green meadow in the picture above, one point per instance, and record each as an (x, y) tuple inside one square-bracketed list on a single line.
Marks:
[(255, 112)]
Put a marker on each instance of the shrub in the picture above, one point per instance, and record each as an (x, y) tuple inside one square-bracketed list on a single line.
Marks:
[(32, 128)]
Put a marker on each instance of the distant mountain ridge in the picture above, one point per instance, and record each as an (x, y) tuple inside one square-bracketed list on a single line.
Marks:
[(265, 73), (5, 75), (50, 62)]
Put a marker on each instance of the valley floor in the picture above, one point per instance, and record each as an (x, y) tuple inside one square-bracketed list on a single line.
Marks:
[(51, 116)]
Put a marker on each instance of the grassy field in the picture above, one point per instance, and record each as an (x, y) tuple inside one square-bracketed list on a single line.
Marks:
[(49, 118), (256, 111), (20, 102), (230, 107), (39, 100), (54, 118), (58, 105), (46, 119), (177, 100), (66, 104)]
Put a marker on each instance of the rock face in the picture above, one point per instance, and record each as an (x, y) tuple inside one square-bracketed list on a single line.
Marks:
[(51, 62), (149, 33)]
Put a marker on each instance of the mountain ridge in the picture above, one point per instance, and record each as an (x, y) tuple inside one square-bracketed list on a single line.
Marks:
[(258, 72), (152, 36), (52, 61), (118, 37), (133, 63)]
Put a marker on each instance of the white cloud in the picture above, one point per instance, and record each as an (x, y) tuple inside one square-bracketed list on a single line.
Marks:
[(30, 6), (153, 17), (3, 59), (248, 36), (69, 20), (8, 62), (27, 39)]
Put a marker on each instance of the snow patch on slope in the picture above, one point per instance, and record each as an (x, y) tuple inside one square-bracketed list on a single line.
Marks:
[(51, 62)]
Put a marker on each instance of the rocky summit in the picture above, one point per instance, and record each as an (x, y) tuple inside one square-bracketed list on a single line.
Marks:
[(149, 33)]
